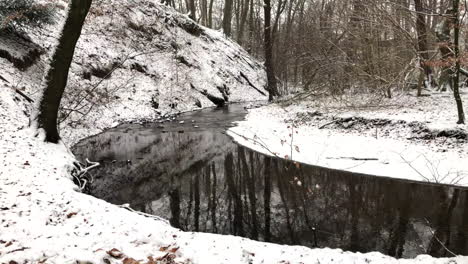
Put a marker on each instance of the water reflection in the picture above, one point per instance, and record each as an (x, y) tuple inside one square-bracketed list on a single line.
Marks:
[(202, 181)]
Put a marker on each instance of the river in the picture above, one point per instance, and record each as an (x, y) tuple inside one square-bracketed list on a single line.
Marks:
[(190, 172)]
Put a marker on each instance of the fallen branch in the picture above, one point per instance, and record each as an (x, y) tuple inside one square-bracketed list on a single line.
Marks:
[(24, 95), (251, 84), (18, 91)]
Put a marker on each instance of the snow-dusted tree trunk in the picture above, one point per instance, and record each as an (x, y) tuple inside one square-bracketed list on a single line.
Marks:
[(56, 77), (456, 77)]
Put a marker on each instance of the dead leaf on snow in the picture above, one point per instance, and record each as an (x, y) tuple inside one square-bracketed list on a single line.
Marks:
[(168, 258), (174, 250), (151, 260), (163, 248), (71, 214), (130, 261), (115, 253)]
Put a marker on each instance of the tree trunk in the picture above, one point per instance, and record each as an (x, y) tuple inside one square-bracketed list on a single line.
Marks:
[(268, 46), (251, 28), (210, 14), (227, 17), (422, 41), (57, 74), (456, 76), (193, 9), (243, 19), (445, 48), (203, 12)]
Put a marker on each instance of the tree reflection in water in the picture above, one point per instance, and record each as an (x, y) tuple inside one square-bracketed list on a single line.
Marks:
[(202, 181)]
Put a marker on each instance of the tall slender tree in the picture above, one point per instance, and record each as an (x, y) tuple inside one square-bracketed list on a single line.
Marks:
[(56, 76), (456, 77), (272, 86)]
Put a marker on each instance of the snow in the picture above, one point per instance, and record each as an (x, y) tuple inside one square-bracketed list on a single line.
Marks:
[(44, 219), (392, 154)]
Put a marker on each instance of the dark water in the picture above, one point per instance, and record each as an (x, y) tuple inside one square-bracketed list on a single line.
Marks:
[(200, 180)]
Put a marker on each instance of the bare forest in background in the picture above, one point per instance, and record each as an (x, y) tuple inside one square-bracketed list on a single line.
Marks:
[(339, 46)]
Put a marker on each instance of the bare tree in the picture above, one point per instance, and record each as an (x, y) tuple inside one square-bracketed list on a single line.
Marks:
[(56, 77)]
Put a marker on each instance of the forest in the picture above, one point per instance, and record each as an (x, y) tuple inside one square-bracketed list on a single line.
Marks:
[(337, 47), (233, 131)]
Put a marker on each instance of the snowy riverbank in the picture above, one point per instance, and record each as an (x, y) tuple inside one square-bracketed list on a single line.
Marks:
[(406, 137), (45, 220)]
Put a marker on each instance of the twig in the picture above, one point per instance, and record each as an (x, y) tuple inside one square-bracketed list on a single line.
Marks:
[(127, 206), (261, 143), (417, 171)]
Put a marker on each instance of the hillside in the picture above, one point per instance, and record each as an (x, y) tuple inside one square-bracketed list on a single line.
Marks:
[(135, 59)]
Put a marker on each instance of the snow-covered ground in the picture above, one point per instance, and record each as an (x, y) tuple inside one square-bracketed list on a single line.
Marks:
[(404, 137), (44, 219)]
